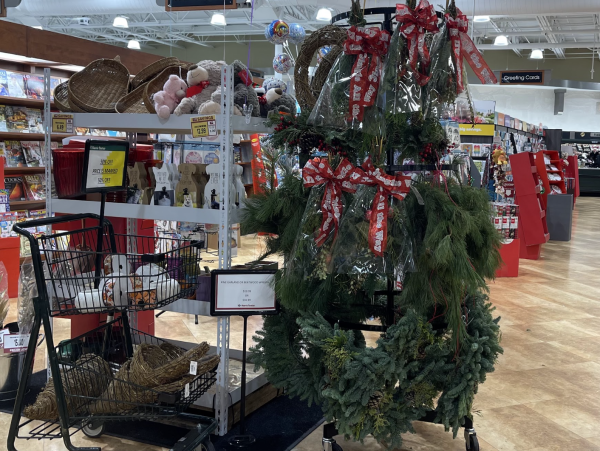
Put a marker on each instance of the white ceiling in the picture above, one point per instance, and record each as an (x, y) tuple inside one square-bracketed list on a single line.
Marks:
[(568, 29)]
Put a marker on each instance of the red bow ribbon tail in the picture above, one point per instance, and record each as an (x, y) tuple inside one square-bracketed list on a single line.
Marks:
[(463, 47)]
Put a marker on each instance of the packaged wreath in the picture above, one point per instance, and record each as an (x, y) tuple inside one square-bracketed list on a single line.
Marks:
[(374, 227), (353, 82), (320, 222), (405, 68)]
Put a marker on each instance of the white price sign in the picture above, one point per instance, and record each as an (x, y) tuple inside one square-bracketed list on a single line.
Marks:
[(15, 343), (243, 292)]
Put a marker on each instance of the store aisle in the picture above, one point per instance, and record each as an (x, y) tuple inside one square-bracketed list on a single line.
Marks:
[(545, 393)]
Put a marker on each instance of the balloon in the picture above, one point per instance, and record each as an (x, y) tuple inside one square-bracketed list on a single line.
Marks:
[(322, 52), (277, 32), (282, 63), (296, 34), (271, 82)]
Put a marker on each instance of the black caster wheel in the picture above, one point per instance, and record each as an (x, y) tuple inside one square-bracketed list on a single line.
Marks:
[(331, 445), (93, 429), (205, 446), (472, 443), (336, 447)]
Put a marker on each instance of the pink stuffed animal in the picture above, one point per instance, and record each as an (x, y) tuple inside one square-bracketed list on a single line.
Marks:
[(166, 101)]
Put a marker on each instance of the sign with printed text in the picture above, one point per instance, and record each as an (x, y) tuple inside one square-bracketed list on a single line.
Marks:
[(204, 126), (243, 292), (62, 123), (15, 343), (522, 77), (477, 129), (105, 164)]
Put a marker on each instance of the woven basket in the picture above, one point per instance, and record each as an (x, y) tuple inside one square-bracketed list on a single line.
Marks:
[(61, 97), (132, 102), (157, 83), (98, 87), (149, 72)]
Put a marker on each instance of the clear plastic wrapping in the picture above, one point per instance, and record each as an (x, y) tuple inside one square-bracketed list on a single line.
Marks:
[(353, 82), (4, 299), (353, 255), (27, 292)]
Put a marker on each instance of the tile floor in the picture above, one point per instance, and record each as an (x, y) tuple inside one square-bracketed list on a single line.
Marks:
[(545, 393)]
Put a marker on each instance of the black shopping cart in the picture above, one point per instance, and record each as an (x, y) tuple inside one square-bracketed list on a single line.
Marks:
[(93, 270)]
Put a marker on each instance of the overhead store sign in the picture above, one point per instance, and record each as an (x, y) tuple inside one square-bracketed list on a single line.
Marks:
[(194, 5), (477, 129), (522, 77)]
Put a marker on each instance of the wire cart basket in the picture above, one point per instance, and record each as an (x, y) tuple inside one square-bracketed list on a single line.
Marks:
[(89, 270)]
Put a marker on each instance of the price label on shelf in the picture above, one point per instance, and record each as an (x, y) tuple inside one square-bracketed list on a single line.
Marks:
[(15, 343), (62, 123), (203, 126), (193, 367), (186, 391)]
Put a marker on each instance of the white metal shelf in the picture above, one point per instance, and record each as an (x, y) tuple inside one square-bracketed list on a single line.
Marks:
[(151, 123), (156, 212)]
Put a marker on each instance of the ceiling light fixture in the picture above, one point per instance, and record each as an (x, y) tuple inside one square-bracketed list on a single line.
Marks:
[(537, 54), (120, 22), (133, 44), (218, 19), (324, 15), (481, 19), (501, 40), (38, 27)]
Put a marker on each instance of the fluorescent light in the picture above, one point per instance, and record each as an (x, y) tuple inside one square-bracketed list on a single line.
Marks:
[(501, 40), (481, 19), (133, 44), (120, 22), (218, 19), (324, 15), (38, 27), (537, 54)]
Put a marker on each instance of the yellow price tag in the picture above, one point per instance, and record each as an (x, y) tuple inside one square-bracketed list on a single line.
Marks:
[(203, 126), (62, 123)]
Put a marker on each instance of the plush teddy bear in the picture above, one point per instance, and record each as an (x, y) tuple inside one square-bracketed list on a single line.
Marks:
[(166, 101), (203, 79), (275, 100), (243, 91), (213, 106)]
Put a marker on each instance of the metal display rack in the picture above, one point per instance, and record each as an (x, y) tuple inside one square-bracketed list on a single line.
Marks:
[(227, 125)]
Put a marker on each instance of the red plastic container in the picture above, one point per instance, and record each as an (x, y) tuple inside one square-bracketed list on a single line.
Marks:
[(68, 171)]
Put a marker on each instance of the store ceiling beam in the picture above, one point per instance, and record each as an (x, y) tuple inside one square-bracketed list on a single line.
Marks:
[(190, 40), (541, 45), (538, 32), (545, 25)]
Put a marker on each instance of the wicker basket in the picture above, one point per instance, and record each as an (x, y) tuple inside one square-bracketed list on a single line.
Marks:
[(149, 72), (132, 102), (157, 83), (61, 97), (98, 87)]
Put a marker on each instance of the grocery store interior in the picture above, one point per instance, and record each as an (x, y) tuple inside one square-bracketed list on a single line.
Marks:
[(295, 226)]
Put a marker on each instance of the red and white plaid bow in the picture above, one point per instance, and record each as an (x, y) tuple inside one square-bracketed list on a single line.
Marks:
[(413, 25), (365, 75), (318, 172)]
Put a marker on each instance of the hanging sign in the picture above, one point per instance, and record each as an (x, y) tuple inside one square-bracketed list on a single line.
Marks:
[(522, 77), (243, 292), (62, 123), (204, 126), (104, 166), (477, 129)]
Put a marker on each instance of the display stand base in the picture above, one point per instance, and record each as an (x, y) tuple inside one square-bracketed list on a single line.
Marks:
[(560, 216), (530, 252), (509, 252), (241, 441)]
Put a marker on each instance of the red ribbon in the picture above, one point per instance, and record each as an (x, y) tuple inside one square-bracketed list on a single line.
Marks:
[(318, 172), (388, 185), (196, 89), (364, 81), (463, 46), (414, 24)]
